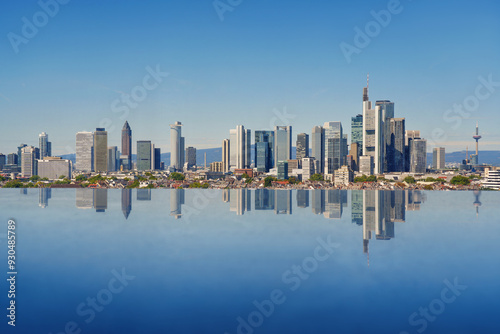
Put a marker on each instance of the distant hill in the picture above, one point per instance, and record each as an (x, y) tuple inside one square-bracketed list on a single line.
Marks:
[(486, 157), (215, 154)]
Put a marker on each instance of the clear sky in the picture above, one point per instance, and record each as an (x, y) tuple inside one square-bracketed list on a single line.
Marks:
[(262, 59)]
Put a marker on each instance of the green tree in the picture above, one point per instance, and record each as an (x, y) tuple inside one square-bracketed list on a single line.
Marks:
[(249, 180), (96, 178), (362, 178), (150, 186), (13, 184), (62, 177), (410, 180), (35, 178), (316, 177), (460, 180), (428, 187), (268, 181), (245, 176), (80, 178), (205, 186), (371, 178), (176, 176), (134, 184), (293, 180), (2, 178), (195, 185)]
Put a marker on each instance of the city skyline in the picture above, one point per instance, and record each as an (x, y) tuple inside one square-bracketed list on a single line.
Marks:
[(298, 73)]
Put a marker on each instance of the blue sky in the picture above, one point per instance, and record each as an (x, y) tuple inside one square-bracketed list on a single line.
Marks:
[(264, 59)]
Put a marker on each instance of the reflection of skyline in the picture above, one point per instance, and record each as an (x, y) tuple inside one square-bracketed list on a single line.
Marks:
[(44, 195), (126, 202), (176, 201)]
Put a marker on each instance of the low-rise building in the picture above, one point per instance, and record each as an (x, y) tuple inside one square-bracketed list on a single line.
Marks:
[(54, 167)]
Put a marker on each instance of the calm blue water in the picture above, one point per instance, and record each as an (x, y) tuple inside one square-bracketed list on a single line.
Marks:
[(186, 261)]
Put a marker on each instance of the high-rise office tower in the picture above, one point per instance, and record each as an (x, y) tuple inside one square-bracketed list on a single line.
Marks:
[(113, 158), (44, 145), (2, 161), (357, 133), (282, 144), (100, 150), (375, 128), (126, 154), (226, 155), (157, 158), (248, 149), (264, 150), (410, 135), (354, 153), (12, 159), (318, 147), (191, 156), (438, 158), (84, 152), (395, 148), (240, 147), (19, 149), (387, 112), (28, 161), (176, 147), (183, 152), (335, 151), (145, 152), (418, 156), (302, 146)]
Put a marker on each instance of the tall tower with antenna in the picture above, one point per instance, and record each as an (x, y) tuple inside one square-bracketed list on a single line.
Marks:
[(476, 138)]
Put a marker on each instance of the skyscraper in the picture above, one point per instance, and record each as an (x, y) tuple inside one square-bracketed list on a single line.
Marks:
[(410, 135), (282, 144), (419, 156), (226, 155), (375, 129), (264, 150), (126, 154), (44, 145), (84, 152), (157, 158), (387, 112), (191, 157), (28, 161), (19, 149), (113, 158), (357, 132), (2, 161), (100, 150), (395, 148), (145, 152), (318, 147), (438, 158), (335, 151), (176, 147), (302, 146), (239, 147)]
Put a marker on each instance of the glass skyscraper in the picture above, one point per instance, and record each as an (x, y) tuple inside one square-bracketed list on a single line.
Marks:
[(318, 147), (100, 150), (334, 146), (302, 146), (144, 155), (44, 145), (264, 150), (282, 143)]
